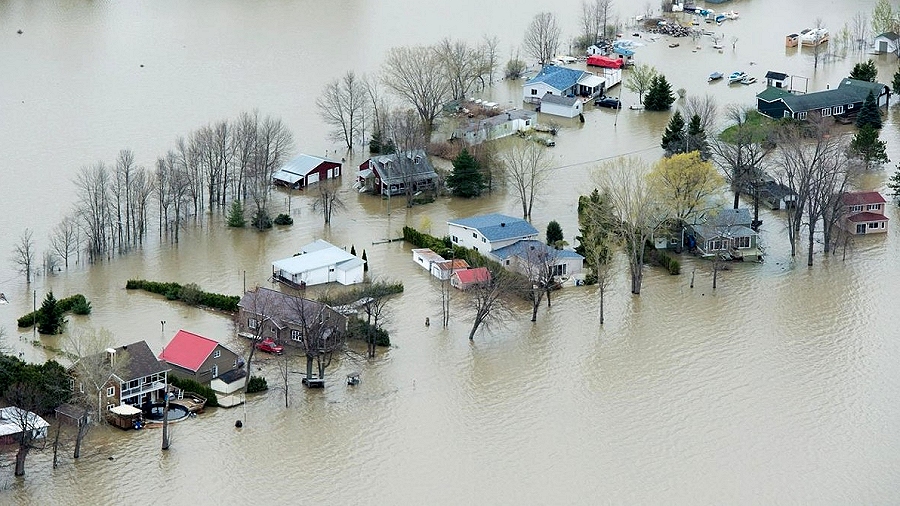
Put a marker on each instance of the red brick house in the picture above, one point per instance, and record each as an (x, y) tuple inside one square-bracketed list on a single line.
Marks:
[(864, 213)]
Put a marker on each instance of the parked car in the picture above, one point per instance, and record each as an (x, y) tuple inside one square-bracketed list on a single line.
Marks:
[(611, 102), (269, 345)]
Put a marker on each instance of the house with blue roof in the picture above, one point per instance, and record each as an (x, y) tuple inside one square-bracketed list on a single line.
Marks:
[(562, 81), (488, 232), (523, 256)]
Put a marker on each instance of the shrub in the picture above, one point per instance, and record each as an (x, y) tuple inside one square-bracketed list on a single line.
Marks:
[(283, 219), (190, 294), (358, 329), (195, 296), (82, 307), (189, 385), (236, 215), (261, 220), (77, 304), (257, 384)]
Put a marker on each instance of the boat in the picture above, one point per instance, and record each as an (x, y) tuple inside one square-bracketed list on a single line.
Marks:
[(717, 45), (674, 44), (720, 18), (715, 76), (736, 77), (731, 15), (748, 80), (814, 37)]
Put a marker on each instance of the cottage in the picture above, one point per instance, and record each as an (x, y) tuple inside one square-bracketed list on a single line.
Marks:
[(847, 98), (523, 256), (465, 279), (561, 81), (306, 170), (229, 382), (556, 105), (192, 356), (888, 42), (317, 263), (16, 422), (507, 123), (776, 79), (139, 378), (287, 319), (489, 231), (425, 258), (727, 234), (863, 213), (394, 174)]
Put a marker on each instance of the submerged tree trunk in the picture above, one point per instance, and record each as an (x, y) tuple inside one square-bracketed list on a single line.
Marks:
[(165, 431), (20, 459)]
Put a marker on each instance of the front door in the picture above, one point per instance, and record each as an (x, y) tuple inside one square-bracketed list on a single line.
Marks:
[(215, 371), (861, 228), (882, 46)]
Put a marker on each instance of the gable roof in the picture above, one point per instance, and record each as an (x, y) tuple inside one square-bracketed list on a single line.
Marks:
[(888, 35), (523, 248), (771, 94), (300, 167), (281, 308), (316, 255), (867, 216), (141, 360), (497, 227), (555, 76), (861, 198), (188, 350), (550, 98), (454, 264), (395, 167), (497, 120), (778, 76), (476, 275), (850, 91)]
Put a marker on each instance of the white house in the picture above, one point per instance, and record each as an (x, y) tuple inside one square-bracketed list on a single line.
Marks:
[(562, 81), (502, 125), (317, 263), (556, 105), (446, 269), (425, 258), (306, 170), (888, 42), (15, 421), (522, 256), (489, 231)]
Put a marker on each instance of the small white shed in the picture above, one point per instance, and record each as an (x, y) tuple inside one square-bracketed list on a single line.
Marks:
[(319, 262), (567, 107)]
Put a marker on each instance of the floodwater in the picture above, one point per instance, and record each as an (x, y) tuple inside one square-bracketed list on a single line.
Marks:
[(781, 386)]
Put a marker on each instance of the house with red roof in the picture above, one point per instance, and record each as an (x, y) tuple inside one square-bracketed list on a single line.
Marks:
[(192, 356), (864, 213), (465, 279)]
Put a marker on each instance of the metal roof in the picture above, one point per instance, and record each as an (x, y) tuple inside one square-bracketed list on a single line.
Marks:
[(522, 248), (561, 78), (304, 164), (314, 256), (497, 227), (188, 350), (859, 198), (550, 98)]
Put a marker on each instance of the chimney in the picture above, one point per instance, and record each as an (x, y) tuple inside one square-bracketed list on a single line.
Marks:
[(111, 356), (502, 224)]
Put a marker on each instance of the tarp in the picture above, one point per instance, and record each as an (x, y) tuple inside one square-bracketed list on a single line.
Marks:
[(603, 61), (125, 410)]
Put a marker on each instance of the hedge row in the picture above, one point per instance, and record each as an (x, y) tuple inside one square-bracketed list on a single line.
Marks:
[(358, 329), (189, 385), (189, 294), (664, 260), (77, 304)]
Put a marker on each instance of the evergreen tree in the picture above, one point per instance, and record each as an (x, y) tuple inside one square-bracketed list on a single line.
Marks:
[(868, 113), (353, 250), (377, 146), (365, 261), (895, 84), (554, 234), (50, 316), (868, 147), (865, 71), (236, 215), (894, 183), (466, 180), (660, 96), (696, 138), (673, 137)]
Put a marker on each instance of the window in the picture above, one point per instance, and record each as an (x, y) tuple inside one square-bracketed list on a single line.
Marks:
[(838, 109), (455, 239), (849, 106), (483, 240), (253, 323), (296, 335), (873, 224), (110, 391), (741, 242), (215, 371), (474, 235), (826, 111), (110, 406), (801, 115), (217, 353), (533, 91), (507, 261), (873, 207), (882, 224), (787, 114), (856, 209)]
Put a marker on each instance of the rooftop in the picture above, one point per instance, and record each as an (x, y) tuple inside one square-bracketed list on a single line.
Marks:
[(282, 308), (315, 256), (188, 350), (497, 227), (859, 198), (524, 249), (550, 98), (476, 275), (561, 78)]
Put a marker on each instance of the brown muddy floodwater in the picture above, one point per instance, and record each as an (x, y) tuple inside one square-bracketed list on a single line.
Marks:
[(779, 387)]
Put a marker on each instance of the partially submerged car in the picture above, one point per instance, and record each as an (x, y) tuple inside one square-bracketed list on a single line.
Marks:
[(269, 345), (611, 102)]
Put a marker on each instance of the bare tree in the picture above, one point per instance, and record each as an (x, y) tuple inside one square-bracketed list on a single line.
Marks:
[(93, 368), (860, 30), (272, 145), (320, 339), (528, 168), (24, 399), (489, 45), (590, 22), (23, 254), (538, 264), (92, 183), (487, 299), (374, 299), (818, 49), (407, 133), (542, 37), (741, 153), (463, 65), (328, 199), (704, 107), (416, 75), (217, 152), (636, 210), (342, 107)]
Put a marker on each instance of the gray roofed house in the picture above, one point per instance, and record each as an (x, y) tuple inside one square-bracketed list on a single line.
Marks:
[(392, 174), (518, 255), (141, 376), (726, 233), (845, 99), (502, 125), (558, 105), (265, 313)]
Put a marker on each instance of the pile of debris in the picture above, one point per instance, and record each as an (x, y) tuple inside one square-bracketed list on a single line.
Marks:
[(666, 28)]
